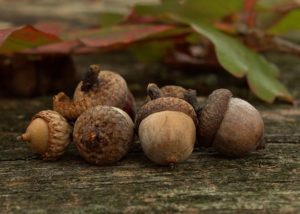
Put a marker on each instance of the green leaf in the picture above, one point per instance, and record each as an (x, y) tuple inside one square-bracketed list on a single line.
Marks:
[(270, 3), (109, 19), (289, 23), (155, 50), (241, 61), (201, 9)]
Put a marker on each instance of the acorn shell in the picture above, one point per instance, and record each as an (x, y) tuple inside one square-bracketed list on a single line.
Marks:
[(241, 130), (167, 137), (103, 134), (59, 134), (110, 89), (211, 115), (164, 104)]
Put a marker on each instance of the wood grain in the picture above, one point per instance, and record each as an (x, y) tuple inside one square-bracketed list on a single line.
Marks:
[(267, 181)]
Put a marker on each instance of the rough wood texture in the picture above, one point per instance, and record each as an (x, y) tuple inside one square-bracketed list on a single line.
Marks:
[(267, 181)]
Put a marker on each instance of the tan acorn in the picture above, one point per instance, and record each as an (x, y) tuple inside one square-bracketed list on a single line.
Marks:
[(231, 125), (99, 87), (103, 134), (167, 129), (48, 134)]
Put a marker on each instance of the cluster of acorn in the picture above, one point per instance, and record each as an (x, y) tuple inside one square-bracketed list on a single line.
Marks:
[(103, 110)]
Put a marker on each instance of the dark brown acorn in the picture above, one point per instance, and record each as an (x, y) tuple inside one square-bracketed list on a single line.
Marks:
[(97, 88), (103, 134)]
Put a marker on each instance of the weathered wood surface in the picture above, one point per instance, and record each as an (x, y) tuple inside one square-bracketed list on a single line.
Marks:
[(267, 181)]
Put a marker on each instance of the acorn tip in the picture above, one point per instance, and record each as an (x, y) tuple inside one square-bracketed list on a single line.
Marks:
[(23, 137)]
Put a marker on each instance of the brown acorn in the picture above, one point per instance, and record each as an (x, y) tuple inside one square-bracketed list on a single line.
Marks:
[(231, 125), (167, 129), (97, 88), (166, 91), (103, 134), (48, 134)]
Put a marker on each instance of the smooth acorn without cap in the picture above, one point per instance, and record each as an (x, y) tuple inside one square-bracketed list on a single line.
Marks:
[(167, 128), (103, 134), (48, 134), (99, 87), (231, 125)]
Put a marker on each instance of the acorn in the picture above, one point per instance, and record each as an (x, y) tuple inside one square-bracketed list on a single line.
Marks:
[(230, 125), (166, 91), (97, 88), (103, 134), (167, 129), (48, 134)]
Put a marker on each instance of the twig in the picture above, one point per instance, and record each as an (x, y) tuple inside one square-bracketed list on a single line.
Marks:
[(286, 8), (280, 11), (264, 42)]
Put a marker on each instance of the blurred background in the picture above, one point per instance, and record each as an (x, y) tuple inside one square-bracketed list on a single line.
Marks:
[(47, 45)]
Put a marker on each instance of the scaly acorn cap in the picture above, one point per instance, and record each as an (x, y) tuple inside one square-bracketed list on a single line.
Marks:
[(58, 134), (173, 91), (166, 91), (68, 108), (103, 134), (165, 104), (211, 115)]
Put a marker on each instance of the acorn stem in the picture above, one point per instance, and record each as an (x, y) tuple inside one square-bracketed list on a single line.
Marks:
[(24, 137), (91, 78), (153, 91)]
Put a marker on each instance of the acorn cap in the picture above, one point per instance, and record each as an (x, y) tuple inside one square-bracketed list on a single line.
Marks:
[(68, 108), (103, 134), (165, 91), (173, 91), (211, 115), (165, 104), (59, 133)]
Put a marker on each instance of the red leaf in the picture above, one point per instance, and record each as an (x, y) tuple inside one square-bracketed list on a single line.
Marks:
[(249, 13), (4, 33), (29, 40), (51, 27), (88, 41), (64, 47), (17, 39), (121, 35)]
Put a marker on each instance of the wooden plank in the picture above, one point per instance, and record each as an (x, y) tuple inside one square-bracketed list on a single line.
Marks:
[(266, 181)]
